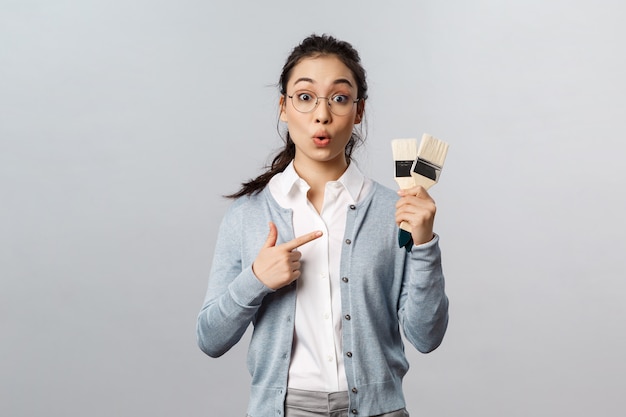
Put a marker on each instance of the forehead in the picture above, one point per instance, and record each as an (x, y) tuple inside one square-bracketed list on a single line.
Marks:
[(321, 70)]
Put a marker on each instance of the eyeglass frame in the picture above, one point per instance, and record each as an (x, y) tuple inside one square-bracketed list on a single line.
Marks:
[(317, 102)]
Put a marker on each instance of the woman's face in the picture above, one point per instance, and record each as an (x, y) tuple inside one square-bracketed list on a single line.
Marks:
[(320, 135)]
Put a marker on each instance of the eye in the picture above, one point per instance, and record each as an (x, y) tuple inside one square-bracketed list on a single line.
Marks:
[(341, 99), (305, 97)]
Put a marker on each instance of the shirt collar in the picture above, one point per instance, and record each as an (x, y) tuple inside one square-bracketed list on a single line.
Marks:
[(352, 180)]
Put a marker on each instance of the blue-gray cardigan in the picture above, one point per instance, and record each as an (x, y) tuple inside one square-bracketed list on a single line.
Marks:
[(383, 288)]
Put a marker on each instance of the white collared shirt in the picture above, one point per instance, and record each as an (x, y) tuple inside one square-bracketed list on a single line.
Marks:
[(317, 360)]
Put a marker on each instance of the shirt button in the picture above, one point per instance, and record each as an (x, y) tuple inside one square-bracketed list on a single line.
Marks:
[(349, 354), (330, 358), (326, 316), (348, 241), (347, 317), (345, 279)]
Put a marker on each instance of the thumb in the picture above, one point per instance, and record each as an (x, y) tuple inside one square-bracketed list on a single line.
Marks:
[(271, 237)]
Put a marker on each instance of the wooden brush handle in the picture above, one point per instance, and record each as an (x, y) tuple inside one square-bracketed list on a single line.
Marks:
[(405, 226), (405, 183), (423, 181)]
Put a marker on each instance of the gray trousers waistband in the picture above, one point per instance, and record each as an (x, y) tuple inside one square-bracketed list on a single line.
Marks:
[(300, 403)]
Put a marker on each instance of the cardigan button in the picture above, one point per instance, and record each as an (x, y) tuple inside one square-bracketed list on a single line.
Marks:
[(348, 241), (354, 390), (354, 411), (347, 317), (345, 279), (349, 354), (352, 207)]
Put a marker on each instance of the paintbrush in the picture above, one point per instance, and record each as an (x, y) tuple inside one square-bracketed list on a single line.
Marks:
[(404, 155), (425, 170), (427, 167)]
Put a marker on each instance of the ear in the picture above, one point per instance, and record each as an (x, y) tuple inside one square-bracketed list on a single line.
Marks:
[(360, 109), (282, 103)]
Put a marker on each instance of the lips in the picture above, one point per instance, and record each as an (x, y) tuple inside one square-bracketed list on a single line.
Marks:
[(321, 138)]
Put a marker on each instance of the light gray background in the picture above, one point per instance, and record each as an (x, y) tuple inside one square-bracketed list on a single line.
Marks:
[(122, 123)]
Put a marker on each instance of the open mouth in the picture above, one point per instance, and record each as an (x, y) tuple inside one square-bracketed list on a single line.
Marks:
[(321, 141), (321, 138)]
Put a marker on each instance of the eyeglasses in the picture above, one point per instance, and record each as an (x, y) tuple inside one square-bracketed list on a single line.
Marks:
[(307, 101)]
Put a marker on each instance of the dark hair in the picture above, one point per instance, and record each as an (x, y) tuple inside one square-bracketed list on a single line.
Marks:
[(312, 46)]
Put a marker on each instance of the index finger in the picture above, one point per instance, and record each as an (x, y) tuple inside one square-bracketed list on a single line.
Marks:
[(417, 191), (414, 191), (301, 240)]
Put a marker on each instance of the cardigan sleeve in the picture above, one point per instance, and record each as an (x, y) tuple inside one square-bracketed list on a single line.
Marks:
[(423, 302), (234, 293)]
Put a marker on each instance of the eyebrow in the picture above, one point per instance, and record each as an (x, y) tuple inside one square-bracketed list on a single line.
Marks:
[(336, 82)]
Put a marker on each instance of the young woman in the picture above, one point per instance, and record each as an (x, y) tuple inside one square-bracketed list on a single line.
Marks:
[(308, 254)]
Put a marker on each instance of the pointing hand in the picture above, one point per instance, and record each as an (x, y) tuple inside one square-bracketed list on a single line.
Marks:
[(279, 265)]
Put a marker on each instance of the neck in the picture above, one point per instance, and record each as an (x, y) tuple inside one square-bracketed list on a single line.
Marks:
[(317, 174)]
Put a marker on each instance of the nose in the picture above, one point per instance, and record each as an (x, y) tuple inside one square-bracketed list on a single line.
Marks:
[(322, 112)]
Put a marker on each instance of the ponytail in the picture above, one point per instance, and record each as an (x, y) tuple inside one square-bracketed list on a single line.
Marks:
[(279, 163)]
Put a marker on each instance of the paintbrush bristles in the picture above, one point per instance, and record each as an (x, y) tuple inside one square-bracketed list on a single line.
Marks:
[(433, 150), (404, 149)]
